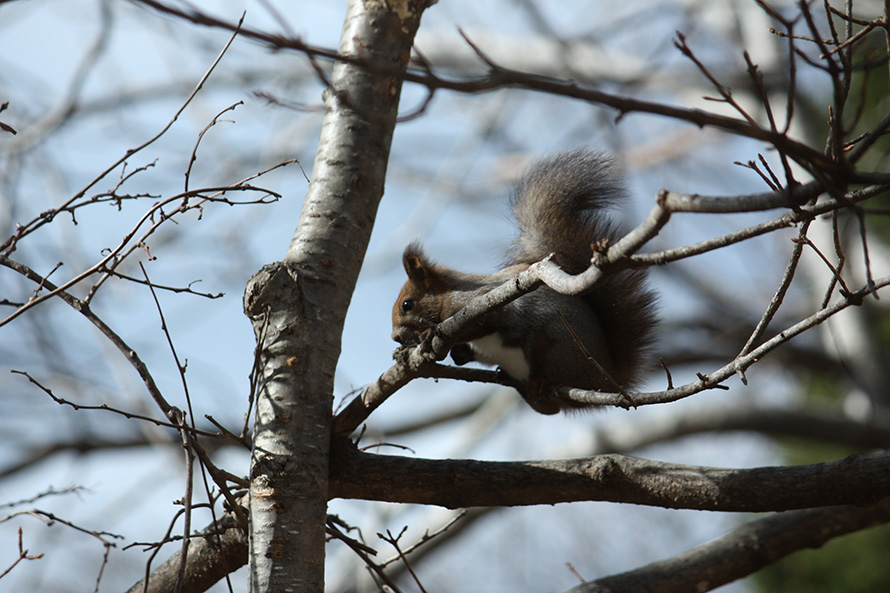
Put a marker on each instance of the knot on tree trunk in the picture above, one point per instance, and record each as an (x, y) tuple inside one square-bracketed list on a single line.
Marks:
[(275, 287)]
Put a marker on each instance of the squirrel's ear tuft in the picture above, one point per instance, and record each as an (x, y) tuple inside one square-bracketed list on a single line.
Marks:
[(417, 266)]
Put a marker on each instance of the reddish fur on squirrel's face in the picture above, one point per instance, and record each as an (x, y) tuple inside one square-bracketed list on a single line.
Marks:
[(432, 294), (417, 307)]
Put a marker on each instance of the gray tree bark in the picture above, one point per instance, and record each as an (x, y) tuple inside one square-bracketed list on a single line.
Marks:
[(298, 306)]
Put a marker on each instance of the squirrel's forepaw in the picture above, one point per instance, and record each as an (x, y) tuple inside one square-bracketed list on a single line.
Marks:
[(462, 353)]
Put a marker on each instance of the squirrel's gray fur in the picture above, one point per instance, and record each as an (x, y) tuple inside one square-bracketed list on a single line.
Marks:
[(561, 208)]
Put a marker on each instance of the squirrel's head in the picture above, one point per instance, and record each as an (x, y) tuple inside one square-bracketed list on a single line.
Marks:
[(419, 306)]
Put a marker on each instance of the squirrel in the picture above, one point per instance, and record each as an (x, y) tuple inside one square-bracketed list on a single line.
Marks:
[(544, 339)]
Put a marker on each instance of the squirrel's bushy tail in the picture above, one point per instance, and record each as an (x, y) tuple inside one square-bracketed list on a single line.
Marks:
[(560, 206)]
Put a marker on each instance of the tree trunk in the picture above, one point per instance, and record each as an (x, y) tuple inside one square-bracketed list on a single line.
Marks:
[(298, 306)]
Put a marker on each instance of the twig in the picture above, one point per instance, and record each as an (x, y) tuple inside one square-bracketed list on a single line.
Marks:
[(394, 542), (362, 551), (23, 555), (681, 44), (779, 296), (50, 519), (194, 155), (22, 230), (426, 538), (106, 407), (738, 365), (835, 273)]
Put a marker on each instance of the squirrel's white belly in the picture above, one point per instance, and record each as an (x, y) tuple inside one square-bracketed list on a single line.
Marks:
[(490, 349)]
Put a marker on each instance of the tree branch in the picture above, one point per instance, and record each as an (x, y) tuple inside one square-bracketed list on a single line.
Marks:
[(861, 479), (213, 553), (743, 551)]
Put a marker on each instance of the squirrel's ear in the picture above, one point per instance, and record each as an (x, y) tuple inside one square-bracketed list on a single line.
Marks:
[(417, 266)]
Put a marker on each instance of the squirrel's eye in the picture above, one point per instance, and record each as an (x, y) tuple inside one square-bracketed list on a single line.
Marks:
[(407, 305)]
